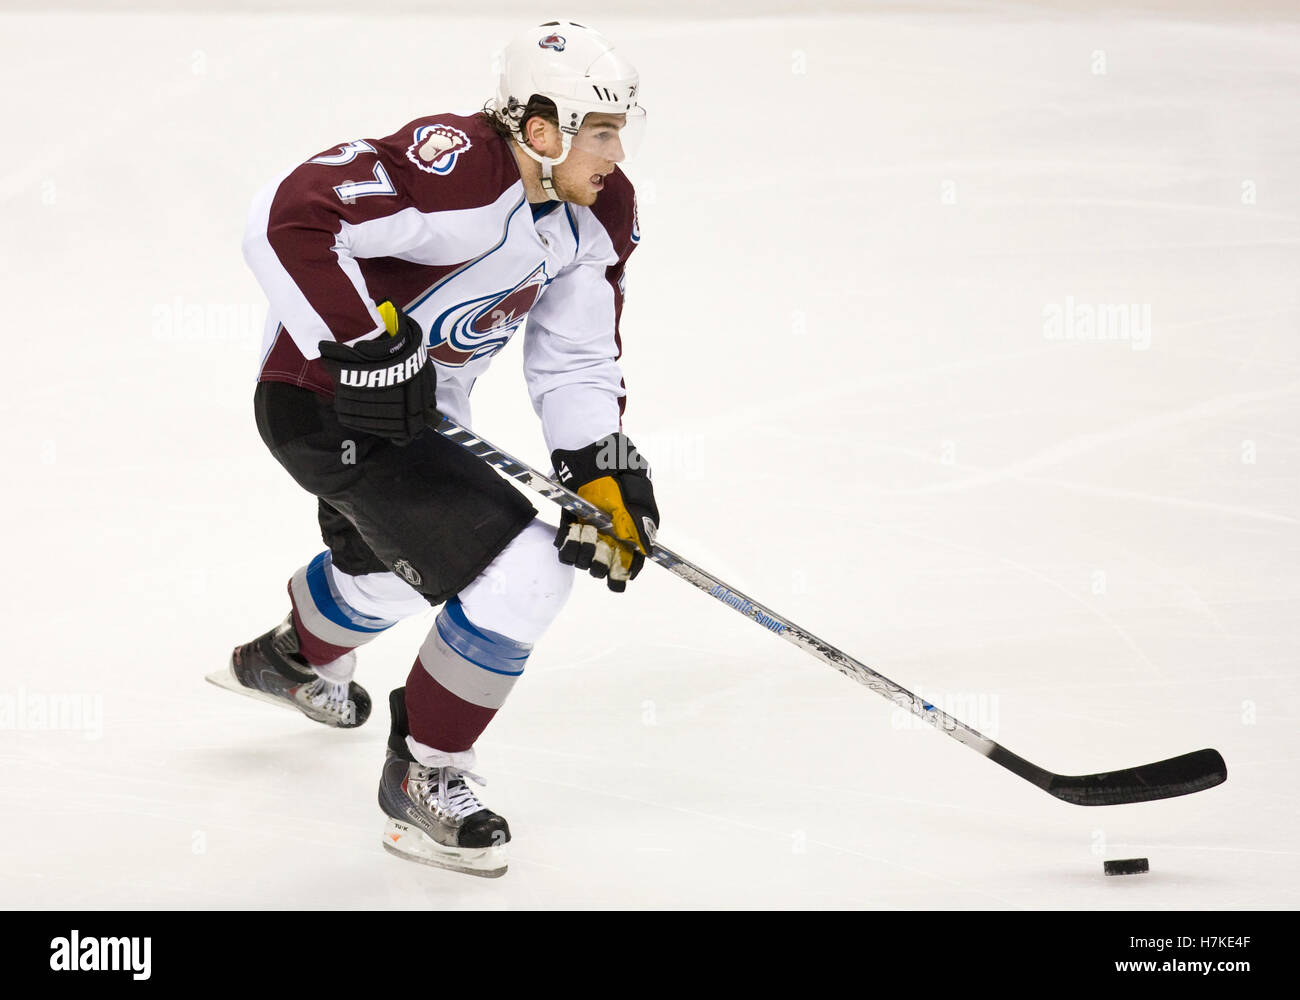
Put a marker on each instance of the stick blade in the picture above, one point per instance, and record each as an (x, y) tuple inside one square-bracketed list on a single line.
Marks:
[(1165, 779)]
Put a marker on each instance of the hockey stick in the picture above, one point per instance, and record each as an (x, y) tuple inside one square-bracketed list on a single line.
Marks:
[(1190, 772)]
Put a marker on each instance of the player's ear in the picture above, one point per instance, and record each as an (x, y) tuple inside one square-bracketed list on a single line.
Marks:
[(541, 135)]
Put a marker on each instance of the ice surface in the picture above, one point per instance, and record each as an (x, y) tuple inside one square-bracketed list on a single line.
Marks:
[(856, 230)]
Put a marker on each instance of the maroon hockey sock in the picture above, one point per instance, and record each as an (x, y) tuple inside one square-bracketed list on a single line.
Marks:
[(460, 679)]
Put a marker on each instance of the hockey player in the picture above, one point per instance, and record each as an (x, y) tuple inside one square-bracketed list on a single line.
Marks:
[(396, 268)]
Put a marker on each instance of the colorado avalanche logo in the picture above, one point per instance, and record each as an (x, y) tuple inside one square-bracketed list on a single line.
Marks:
[(552, 41), (481, 327), (437, 147)]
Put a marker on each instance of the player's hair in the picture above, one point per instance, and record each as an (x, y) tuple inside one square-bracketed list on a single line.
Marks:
[(510, 123)]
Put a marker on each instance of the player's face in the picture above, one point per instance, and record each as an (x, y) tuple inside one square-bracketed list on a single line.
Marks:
[(595, 151)]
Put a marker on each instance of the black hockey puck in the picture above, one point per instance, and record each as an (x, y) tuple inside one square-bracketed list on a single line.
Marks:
[(1127, 866)]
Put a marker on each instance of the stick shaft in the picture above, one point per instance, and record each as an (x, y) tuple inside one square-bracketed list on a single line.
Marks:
[(1182, 775)]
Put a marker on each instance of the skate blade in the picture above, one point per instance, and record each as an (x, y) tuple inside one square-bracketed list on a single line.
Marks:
[(226, 679), (411, 844)]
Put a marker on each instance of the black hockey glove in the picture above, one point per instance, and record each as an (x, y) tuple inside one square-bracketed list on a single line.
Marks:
[(612, 475), (385, 386)]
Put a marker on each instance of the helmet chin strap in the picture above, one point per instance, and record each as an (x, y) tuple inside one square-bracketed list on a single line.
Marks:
[(548, 183)]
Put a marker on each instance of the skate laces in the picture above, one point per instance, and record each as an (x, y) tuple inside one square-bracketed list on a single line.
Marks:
[(445, 789), (331, 697)]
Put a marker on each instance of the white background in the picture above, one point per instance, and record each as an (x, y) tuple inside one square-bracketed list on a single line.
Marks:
[(837, 359)]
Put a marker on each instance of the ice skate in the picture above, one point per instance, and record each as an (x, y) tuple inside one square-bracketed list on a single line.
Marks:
[(433, 815), (270, 669)]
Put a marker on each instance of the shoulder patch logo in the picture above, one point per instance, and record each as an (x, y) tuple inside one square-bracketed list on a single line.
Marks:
[(552, 41), (437, 147)]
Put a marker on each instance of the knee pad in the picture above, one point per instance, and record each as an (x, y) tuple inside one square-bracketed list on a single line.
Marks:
[(523, 589)]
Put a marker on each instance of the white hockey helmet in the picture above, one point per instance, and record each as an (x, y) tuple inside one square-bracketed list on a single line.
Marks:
[(577, 69)]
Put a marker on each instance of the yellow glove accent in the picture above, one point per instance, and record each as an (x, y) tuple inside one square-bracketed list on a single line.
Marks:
[(605, 494), (388, 313)]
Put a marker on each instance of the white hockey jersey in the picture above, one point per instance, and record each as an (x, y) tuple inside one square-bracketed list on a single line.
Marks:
[(434, 217)]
